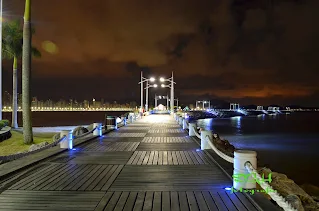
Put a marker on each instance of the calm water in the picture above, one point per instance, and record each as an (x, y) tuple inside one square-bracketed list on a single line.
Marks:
[(288, 144), (64, 118)]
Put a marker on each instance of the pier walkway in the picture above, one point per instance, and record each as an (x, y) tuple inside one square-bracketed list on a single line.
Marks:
[(151, 164)]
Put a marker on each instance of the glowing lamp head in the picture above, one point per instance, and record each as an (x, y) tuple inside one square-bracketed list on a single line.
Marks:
[(152, 79), (162, 79), (162, 85), (155, 85)]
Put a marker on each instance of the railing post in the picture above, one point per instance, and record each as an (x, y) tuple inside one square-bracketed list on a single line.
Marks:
[(191, 128), (98, 130), (204, 139), (130, 117), (180, 121), (67, 143), (124, 121), (240, 158), (184, 124)]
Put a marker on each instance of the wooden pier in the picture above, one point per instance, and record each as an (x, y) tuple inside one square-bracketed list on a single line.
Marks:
[(151, 164)]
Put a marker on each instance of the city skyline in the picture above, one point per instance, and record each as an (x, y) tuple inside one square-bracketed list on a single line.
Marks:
[(105, 103)]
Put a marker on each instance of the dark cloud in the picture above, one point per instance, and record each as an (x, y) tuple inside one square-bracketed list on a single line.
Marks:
[(241, 49)]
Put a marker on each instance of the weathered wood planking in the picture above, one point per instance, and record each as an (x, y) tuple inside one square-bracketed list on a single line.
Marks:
[(110, 146), (166, 146), (169, 158), (49, 200), (173, 201), (122, 139), (166, 135), (129, 128), (167, 140), (58, 177), (170, 178), (110, 158), (126, 134), (166, 131)]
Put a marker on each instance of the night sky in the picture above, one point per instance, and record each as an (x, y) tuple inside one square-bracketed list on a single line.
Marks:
[(251, 52)]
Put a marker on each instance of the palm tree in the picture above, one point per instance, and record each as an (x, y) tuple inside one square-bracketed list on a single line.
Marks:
[(26, 75), (12, 49)]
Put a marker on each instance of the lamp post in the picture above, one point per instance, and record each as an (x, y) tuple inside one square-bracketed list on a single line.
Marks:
[(171, 80), (147, 87), (1, 8), (141, 82)]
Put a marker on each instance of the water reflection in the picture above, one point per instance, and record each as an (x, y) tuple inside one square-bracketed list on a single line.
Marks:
[(205, 123), (236, 123), (290, 137), (261, 117)]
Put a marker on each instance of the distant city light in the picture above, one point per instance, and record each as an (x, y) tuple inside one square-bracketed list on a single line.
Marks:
[(155, 85), (162, 79), (162, 85)]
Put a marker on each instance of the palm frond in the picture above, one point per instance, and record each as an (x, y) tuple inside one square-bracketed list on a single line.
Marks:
[(35, 52), (6, 54), (12, 38)]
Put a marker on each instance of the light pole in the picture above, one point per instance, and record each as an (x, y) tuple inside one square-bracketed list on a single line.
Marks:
[(203, 104), (141, 82), (171, 80), (148, 86), (1, 8)]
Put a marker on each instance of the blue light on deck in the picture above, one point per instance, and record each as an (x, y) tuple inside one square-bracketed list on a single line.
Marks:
[(74, 149), (197, 150), (227, 188), (70, 144)]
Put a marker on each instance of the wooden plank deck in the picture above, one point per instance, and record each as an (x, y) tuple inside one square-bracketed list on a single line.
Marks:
[(148, 165)]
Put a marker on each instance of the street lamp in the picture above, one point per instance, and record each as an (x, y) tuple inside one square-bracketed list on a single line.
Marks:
[(171, 80), (152, 79), (204, 102), (148, 86)]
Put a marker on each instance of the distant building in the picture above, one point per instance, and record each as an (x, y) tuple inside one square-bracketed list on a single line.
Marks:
[(86, 104), (34, 102)]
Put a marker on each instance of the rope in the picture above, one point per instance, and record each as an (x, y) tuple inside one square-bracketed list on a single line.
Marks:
[(221, 154), (281, 201), (196, 133), (84, 134), (61, 139)]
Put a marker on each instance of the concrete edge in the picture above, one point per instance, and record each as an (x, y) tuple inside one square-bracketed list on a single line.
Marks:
[(4, 132), (259, 201)]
